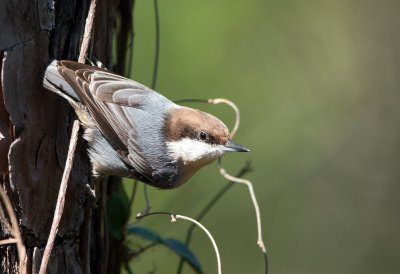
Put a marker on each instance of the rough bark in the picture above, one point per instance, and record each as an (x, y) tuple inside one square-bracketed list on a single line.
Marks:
[(34, 132)]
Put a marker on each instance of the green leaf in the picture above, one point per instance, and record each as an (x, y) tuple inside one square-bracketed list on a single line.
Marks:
[(178, 247), (182, 250), (145, 233), (117, 210), (128, 268), (123, 197)]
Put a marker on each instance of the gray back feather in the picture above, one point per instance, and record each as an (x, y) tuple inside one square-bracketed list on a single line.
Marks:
[(129, 115)]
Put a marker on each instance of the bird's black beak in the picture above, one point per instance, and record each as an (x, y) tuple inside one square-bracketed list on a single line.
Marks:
[(231, 146)]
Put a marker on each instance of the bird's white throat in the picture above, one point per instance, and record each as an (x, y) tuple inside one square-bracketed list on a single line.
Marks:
[(191, 151)]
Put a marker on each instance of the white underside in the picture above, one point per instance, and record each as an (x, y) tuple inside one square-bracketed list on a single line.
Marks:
[(191, 151)]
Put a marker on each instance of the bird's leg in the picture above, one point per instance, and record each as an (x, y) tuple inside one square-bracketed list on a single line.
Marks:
[(91, 200), (96, 63), (147, 209)]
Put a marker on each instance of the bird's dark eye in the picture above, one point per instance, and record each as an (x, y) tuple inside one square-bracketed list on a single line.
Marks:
[(203, 136)]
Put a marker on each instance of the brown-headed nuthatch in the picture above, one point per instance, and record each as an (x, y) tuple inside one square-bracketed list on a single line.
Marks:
[(135, 132)]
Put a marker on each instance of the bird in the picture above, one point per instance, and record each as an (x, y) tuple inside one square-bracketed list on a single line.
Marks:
[(135, 132)]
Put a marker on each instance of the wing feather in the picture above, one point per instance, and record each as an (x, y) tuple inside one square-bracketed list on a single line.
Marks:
[(107, 97)]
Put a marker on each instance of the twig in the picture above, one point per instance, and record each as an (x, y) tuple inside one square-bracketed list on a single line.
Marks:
[(233, 106), (174, 217), (245, 169), (4, 219), (191, 100), (82, 55), (14, 230), (88, 31), (228, 185), (255, 204), (148, 207), (146, 196), (235, 179), (8, 241), (61, 198), (239, 180), (140, 251), (131, 44), (207, 208), (131, 200), (157, 53)]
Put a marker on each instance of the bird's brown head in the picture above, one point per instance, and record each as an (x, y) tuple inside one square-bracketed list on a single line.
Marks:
[(194, 124), (196, 137)]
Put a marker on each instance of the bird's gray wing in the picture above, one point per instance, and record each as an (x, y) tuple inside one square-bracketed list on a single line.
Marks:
[(113, 102)]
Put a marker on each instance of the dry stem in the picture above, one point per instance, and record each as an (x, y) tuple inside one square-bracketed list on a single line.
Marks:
[(174, 217), (233, 106), (146, 196), (243, 181), (61, 198), (88, 31), (14, 228), (82, 55), (255, 204), (8, 241), (210, 204)]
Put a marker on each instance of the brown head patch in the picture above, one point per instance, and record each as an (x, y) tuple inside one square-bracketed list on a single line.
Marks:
[(186, 122)]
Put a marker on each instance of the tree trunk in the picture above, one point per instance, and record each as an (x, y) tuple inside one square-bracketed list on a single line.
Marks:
[(35, 127)]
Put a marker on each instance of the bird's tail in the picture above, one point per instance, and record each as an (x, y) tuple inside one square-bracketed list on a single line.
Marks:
[(54, 82)]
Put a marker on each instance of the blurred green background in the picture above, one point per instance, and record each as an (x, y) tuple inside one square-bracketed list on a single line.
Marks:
[(317, 83)]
